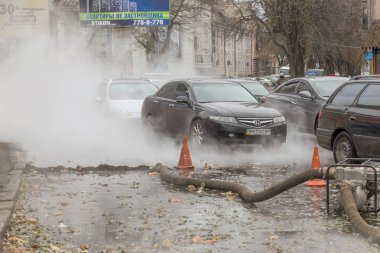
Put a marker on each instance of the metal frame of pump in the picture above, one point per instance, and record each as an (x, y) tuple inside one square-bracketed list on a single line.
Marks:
[(359, 173)]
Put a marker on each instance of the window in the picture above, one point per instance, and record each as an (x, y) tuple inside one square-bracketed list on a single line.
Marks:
[(256, 88), (370, 98), (327, 87), (182, 90), (347, 94), (168, 91), (222, 92), (289, 88), (304, 87)]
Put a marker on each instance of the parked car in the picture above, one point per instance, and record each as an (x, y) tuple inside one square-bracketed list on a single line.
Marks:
[(301, 99), (124, 98), (264, 81), (212, 110), (349, 123), (366, 77)]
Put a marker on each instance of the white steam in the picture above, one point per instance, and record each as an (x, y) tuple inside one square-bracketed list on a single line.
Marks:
[(47, 107)]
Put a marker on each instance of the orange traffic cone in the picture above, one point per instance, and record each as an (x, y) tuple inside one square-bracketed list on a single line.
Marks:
[(185, 158), (315, 165)]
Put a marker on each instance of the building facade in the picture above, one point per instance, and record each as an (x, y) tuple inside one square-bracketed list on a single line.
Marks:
[(372, 41)]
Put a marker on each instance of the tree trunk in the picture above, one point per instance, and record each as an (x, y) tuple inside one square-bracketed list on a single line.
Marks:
[(297, 64)]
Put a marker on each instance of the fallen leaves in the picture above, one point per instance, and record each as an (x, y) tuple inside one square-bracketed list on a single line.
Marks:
[(153, 174), (63, 229), (274, 237), (208, 240), (84, 247), (176, 200), (229, 195), (191, 188), (135, 185)]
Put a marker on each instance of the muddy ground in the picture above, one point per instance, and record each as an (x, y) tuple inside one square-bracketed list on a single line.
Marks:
[(131, 210)]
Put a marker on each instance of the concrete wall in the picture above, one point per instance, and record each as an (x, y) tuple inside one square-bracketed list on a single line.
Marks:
[(375, 9)]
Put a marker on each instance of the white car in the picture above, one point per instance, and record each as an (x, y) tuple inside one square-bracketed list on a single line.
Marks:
[(264, 81), (124, 98)]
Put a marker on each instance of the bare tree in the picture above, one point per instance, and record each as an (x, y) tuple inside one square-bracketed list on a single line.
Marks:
[(309, 31), (156, 40)]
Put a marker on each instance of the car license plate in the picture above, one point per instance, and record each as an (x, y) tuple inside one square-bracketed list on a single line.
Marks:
[(257, 132)]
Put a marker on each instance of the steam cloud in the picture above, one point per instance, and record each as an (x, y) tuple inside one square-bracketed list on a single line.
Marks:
[(47, 107)]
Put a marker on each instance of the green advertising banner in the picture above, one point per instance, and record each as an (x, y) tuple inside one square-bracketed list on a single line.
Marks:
[(120, 13)]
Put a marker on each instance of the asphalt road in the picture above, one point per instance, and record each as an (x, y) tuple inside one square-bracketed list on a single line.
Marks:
[(100, 209)]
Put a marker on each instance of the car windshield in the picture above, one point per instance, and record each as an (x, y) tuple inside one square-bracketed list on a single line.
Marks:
[(222, 92), (327, 87), (255, 88), (130, 90)]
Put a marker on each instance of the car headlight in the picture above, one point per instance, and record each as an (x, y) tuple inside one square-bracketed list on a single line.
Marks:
[(230, 120), (278, 119)]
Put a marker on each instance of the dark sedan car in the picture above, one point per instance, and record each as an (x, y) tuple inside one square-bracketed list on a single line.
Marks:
[(212, 109), (301, 99), (349, 123)]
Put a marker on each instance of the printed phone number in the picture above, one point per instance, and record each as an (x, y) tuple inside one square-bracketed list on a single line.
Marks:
[(148, 22)]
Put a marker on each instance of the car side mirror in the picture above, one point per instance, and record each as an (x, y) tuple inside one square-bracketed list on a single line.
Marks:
[(262, 99), (306, 94), (182, 100)]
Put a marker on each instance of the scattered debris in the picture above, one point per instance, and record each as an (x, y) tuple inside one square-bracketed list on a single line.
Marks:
[(208, 240), (201, 188), (176, 200), (229, 195), (153, 174)]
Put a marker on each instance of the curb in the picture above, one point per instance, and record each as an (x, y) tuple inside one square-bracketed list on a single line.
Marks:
[(10, 172)]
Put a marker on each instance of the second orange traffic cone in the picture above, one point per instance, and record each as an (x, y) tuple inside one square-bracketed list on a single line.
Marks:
[(185, 158), (315, 165)]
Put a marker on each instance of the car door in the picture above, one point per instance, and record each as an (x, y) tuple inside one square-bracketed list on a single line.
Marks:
[(336, 113), (365, 122), (305, 109), (180, 113), (160, 105), (283, 100)]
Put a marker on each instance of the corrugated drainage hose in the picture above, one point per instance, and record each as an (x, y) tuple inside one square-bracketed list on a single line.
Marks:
[(244, 192), (354, 216)]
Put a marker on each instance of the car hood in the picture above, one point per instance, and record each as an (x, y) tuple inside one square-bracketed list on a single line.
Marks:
[(132, 106), (242, 109)]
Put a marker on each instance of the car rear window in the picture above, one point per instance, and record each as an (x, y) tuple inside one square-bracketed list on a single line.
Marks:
[(130, 90), (326, 88), (370, 98), (348, 94)]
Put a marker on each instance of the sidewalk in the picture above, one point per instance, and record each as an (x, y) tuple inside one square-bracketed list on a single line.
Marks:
[(10, 179)]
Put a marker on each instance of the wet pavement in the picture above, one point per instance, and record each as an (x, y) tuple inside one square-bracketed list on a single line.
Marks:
[(135, 212)]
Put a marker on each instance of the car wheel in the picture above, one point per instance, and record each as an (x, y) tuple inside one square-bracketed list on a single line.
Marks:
[(343, 147), (198, 133)]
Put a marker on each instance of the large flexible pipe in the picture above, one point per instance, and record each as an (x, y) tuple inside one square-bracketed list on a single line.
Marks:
[(244, 192), (354, 216)]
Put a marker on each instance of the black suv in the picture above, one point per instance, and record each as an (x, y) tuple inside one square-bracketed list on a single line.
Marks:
[(349, 122)]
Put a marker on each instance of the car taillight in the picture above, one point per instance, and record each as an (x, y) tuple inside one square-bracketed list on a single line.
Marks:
[(320, 114)]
